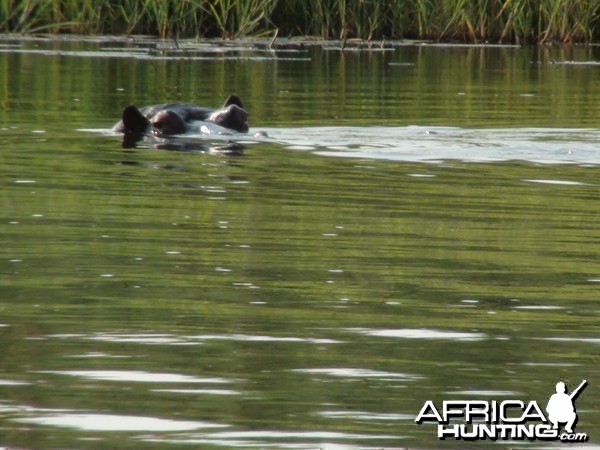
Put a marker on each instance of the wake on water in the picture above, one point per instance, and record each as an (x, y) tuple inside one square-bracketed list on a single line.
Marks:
[(412, 143), (436, 144)]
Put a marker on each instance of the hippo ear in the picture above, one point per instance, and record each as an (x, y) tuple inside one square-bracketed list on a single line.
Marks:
[(232, 117), (233, 100), (134, 121)]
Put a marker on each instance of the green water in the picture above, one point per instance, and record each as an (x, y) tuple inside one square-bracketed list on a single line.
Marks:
[(317, 290)]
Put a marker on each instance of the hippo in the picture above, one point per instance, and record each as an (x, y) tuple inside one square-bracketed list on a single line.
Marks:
[(177, 118)]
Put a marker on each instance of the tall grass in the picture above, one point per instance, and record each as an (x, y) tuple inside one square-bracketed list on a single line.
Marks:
[(515, 21), (238, 18)]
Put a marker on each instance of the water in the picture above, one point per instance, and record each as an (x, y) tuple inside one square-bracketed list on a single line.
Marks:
[(421, 224)]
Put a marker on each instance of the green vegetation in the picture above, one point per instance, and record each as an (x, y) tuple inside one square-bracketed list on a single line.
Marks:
[(516, 21)]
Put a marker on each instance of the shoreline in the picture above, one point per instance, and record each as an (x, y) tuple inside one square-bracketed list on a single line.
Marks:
[(270, 43)]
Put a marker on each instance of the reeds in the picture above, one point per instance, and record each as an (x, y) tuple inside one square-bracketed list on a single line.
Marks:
[(516, 21)]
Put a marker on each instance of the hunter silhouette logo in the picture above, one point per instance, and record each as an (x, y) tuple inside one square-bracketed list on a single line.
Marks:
[(507, 419), (561, 408)]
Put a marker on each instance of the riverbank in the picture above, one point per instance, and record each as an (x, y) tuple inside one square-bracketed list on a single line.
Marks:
[(472, 21)]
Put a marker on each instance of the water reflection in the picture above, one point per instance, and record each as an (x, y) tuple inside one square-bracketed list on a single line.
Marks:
[(557, 182), (363, 415), (478, 393), (422, 224), (169, 339), (200, 391), (436, 144), (136, 376), (140, 338), (247, 338), (277, 439), (111, 422), (422, 334), (590, 340), (359, 373), (184, 144), (13, 383)]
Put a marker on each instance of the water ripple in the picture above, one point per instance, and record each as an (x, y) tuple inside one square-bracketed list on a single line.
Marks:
[(363, 415), (135, 376), (266, 438), (359, 373), (558, 182), (422, 333), (485, 393), (140, 338), (261, 338), (171, 339), (588, 340), (112, 422), (200, 391), (436, 144), (4, 382)]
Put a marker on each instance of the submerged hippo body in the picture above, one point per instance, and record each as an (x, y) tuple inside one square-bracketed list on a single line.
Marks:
[(177, 118)]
